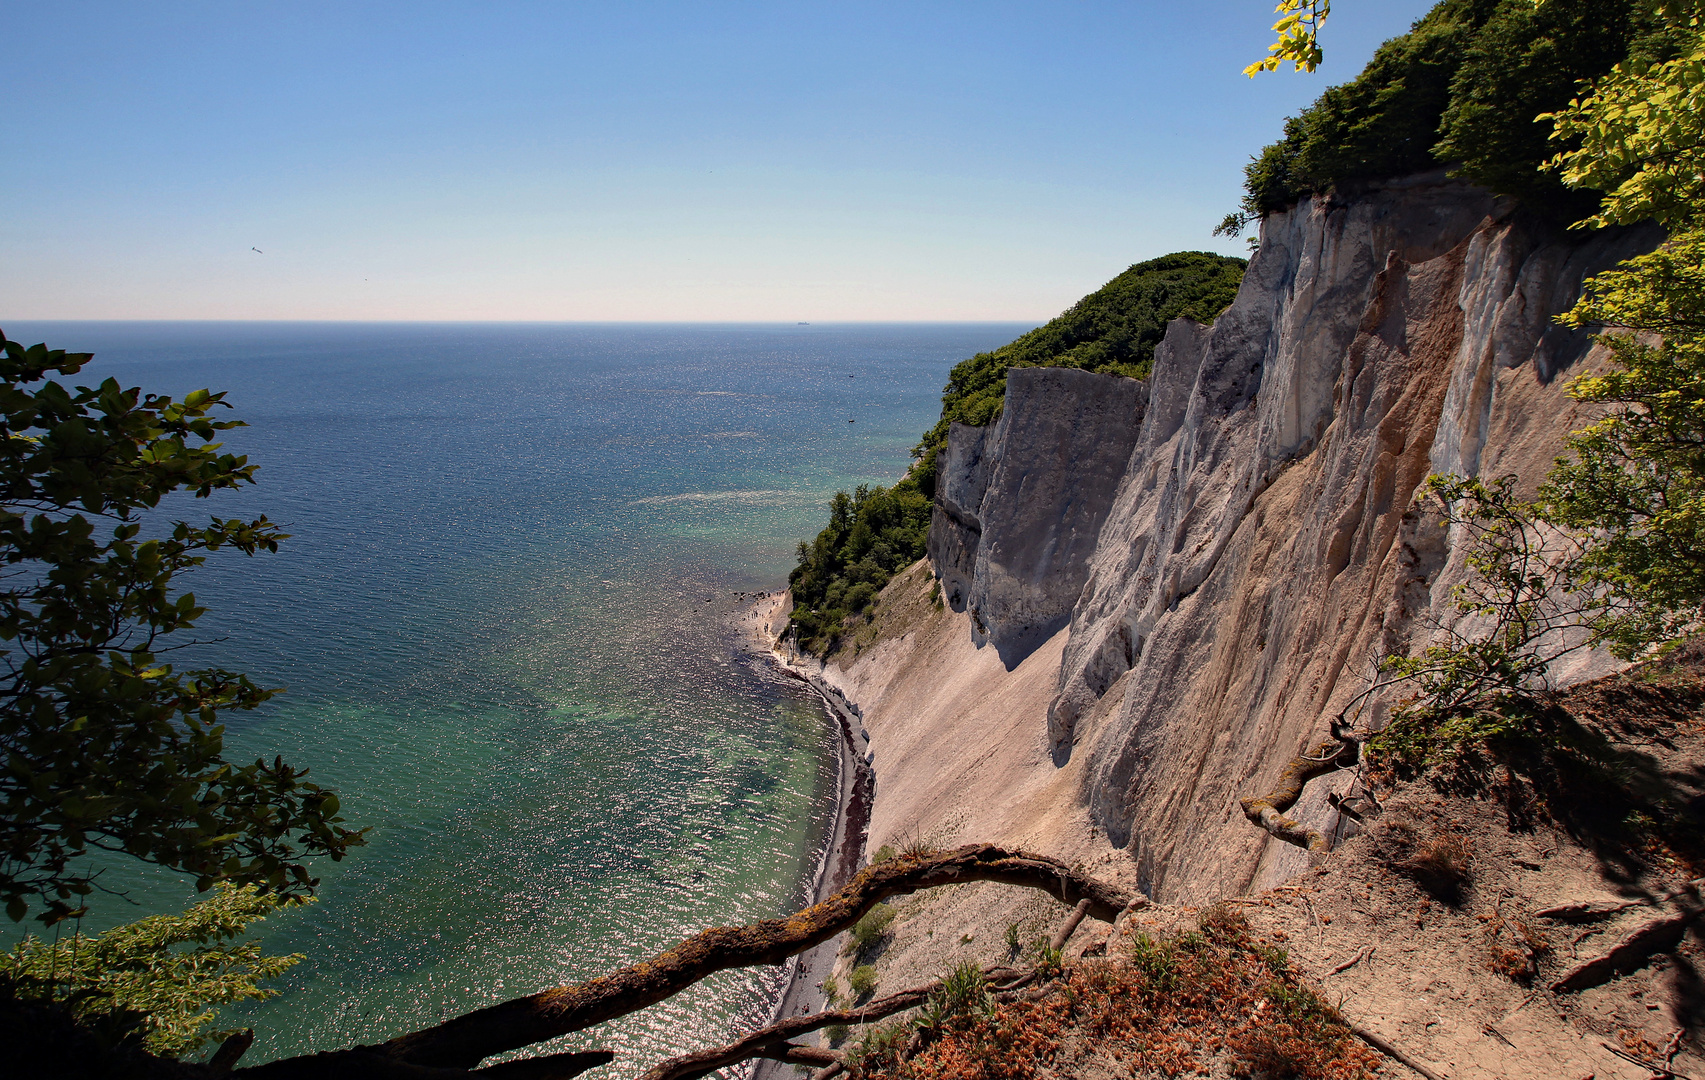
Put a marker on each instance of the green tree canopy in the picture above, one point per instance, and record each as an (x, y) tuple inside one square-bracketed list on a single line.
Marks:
[(1635, 480), (157, 979), (106, 746), (1462, 90)]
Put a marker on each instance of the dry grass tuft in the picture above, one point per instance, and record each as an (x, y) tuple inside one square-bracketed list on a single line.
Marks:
[(1442, 866), (1198, 1003)]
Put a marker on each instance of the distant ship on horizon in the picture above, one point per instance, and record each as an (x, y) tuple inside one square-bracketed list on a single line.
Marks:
[(804, 324)]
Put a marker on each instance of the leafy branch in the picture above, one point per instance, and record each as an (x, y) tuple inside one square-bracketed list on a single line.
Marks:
[(1299, 37)]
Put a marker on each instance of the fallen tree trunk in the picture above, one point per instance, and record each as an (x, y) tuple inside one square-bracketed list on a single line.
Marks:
[(463, 1042)]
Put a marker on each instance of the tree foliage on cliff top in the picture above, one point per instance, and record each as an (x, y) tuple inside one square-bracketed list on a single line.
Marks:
[(1113, 330), (876, 532), (1464, 88)]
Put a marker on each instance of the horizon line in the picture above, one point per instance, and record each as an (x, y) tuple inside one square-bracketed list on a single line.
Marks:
[(542, 322)]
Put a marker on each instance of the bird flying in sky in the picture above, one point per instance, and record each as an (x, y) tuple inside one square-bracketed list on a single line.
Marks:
[(257, 251)]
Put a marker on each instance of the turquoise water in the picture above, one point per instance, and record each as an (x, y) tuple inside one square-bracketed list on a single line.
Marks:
[(504, 620)]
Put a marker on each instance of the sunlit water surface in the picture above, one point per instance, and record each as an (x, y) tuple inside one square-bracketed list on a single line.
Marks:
[(504, 619)]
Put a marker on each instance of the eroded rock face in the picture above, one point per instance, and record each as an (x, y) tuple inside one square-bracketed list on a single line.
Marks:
[(1041, 483), (955, 530), (1260, 546)]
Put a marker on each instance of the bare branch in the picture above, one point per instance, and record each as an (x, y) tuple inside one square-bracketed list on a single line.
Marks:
[(462, 1042), (1268, 811), (702, 1062)]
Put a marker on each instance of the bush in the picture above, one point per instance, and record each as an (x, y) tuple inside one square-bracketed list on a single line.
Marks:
[(870, 930), (862, 981), (154, 980), (1220, 993), (1441, 866), (872, 534)]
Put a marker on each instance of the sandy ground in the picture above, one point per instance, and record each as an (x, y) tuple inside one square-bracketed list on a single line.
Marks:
[(959, 755)]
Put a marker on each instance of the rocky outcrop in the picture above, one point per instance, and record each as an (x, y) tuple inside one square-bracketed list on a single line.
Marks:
[(956, 529), (1237, 541), (1022, 507)]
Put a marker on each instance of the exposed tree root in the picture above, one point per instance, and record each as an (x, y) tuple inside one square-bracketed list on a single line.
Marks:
[(1655, 936), (1268, 811), (1590, 911), (1392, 1052), (1352, 961), (458, 1045)]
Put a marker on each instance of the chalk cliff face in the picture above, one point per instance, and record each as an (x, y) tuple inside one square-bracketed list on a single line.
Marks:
[(1020, 508), (1234, 541)]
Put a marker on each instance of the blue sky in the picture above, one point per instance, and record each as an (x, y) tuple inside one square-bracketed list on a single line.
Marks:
[(633, 161)]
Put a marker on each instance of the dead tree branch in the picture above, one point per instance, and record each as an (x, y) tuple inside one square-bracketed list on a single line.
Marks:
[(463, 1042), (1069, 927), (760, 1043), (796, 1054), (702, 1062), (1268, 811)]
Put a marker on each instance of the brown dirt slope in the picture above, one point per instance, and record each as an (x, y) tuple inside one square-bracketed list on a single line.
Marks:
[(1527, 911)]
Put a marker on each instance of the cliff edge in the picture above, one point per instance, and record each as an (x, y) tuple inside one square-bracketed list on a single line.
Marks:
[(1238, 544), (1143, 599)]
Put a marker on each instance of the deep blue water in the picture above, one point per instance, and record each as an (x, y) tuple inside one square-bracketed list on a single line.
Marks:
[(504, 623)]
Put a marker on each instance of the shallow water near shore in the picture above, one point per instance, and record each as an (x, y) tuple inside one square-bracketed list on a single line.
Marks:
[(504, 620)]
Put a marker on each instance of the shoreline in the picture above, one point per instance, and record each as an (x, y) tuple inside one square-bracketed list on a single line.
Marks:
[(844, 852)]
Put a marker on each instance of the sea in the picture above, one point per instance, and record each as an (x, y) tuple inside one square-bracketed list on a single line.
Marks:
[(507, 624)]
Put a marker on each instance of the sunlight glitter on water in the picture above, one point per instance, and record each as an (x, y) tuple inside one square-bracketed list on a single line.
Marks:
[(491, 619)]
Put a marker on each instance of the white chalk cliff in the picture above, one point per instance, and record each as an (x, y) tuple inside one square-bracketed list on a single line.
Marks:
[(1177, 581)]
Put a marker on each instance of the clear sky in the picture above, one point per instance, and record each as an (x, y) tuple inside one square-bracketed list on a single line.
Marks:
[(700, 161)]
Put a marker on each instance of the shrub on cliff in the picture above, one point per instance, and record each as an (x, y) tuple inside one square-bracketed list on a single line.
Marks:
[(872, 533)]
